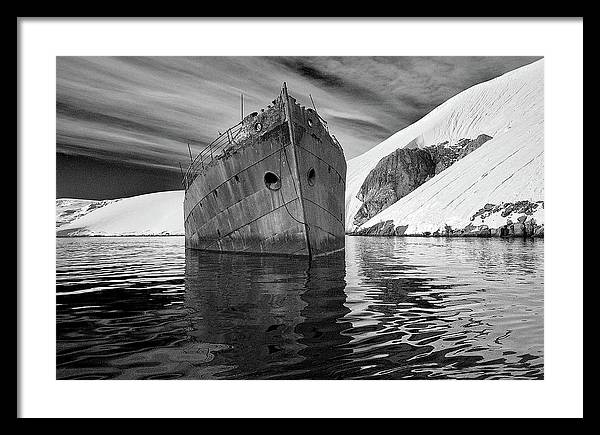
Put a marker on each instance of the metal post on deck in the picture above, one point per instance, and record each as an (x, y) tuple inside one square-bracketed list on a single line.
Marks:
[(313, 102), (182, 175)]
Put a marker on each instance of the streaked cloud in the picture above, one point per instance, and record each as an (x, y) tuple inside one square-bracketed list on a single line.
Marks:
[(144, 110)]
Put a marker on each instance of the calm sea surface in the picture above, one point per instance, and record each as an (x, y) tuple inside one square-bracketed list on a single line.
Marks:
[(394, 308)]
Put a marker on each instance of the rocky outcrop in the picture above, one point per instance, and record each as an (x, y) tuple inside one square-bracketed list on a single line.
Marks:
[(395, 176), (401, 172), (445, 155), (522, 211), (507, 208), (68, 210), (510, 230), (381, 229), (467, 146)]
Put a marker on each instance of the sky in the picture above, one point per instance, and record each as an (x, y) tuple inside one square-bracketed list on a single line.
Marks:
[(123, 123)]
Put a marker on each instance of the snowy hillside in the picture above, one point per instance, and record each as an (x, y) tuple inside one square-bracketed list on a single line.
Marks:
[(509, 168), (158, 213), (69, 209)]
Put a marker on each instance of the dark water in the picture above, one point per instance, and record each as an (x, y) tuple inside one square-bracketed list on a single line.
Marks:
[(410, 308)]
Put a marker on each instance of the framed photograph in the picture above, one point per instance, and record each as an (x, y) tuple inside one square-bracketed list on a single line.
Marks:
[(310, 219)]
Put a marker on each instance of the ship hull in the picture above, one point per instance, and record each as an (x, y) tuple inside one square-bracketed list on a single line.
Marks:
[(232, 206)]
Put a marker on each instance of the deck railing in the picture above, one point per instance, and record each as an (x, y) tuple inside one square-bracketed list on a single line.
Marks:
[(228, 138), (214, 149)]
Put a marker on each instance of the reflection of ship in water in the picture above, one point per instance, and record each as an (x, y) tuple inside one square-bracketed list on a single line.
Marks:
[(322, 330), (268, 317)]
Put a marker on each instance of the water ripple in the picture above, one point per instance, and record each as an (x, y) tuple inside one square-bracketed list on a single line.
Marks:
[(409, 308)]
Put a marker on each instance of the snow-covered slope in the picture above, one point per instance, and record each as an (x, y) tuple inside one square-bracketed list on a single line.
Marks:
[(158, 213), (507, 168), (69, 209)]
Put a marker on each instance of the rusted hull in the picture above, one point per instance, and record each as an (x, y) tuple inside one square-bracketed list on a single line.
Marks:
[(229, 206), (323, 198)]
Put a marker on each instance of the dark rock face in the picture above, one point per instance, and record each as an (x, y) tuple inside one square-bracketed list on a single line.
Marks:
[(381, 229), (443, 156), (401, 172), (400, 230), (468, 146), (519, 230), (526, 226), (395, 176), (530, 226)]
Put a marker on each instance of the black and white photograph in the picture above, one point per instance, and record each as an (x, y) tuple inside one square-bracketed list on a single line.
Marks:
[(370, 252), (301, 217)]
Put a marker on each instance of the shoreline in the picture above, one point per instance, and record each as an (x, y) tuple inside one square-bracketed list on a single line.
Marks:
[(525, 227), (466, 236), (119, 235), (463, 236)]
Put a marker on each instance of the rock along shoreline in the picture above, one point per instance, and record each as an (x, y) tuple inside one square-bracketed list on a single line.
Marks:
[(510, 230), (523, 226)]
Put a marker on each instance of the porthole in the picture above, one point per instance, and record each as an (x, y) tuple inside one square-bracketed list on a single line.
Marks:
[(310, 122), (310, 176), (272, 181), (258, 126)]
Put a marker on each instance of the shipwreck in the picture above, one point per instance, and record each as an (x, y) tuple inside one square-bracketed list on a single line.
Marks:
[(272, 184)]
